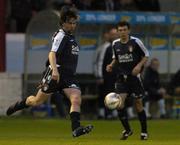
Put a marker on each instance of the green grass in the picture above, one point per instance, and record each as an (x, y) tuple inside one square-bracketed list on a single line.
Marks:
[(16, 131)]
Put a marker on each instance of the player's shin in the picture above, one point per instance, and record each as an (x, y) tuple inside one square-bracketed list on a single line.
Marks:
[(77, 129), (75, 120), (75, 112), (124, 119), (143, 121)]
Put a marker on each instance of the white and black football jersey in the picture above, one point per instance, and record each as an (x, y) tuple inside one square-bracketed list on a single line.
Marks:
[(128, 54), (67, 49)]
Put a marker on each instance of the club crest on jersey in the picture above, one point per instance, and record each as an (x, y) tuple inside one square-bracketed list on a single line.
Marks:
[(75, 50), (45, 87), (130, 49)]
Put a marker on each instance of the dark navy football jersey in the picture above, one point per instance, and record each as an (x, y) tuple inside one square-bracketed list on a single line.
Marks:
[(128, 54), (67, 50)]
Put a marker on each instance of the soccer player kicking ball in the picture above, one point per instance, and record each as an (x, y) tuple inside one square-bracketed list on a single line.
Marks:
[(129, 55), (60, 72)]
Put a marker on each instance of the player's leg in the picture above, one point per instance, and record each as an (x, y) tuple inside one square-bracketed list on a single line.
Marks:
[(74, 96), (137, 91), (142, 118), (130, 107), (27, 102), (75, 99), (40, 98), (47, 86), (122, 114), (122, 90)]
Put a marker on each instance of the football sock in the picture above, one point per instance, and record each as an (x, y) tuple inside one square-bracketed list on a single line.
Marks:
[(21, 105), (143, 121), (17, 106), (75, 120), (124, 119)]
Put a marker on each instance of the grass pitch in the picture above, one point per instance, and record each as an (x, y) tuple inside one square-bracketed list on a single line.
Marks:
[(17, 131)]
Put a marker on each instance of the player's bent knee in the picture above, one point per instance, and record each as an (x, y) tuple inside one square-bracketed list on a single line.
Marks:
[(76, 100), (30, 100)]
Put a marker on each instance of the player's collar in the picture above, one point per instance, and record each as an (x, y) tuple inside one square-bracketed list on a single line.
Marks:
[(126, 41), (66, 32)]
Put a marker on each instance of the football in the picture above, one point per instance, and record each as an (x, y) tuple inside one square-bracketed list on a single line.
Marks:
[(113, 100)]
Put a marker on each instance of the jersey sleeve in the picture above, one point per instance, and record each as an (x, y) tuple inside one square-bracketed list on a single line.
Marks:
[(113, 54), (113, 48), (113, 51), (143, 48), (57, 42)]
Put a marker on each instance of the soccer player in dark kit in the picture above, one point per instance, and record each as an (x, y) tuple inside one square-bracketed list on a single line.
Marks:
[(60, 72), (130, 56)]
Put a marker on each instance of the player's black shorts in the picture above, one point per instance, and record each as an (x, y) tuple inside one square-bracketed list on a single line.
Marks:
[(132, 85), (48, 85)]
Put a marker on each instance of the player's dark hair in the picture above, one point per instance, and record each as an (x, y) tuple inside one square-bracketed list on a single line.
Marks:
[(66, 13), (123, 23)]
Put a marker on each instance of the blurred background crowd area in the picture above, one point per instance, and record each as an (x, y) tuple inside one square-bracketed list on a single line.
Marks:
[(20, 12)]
